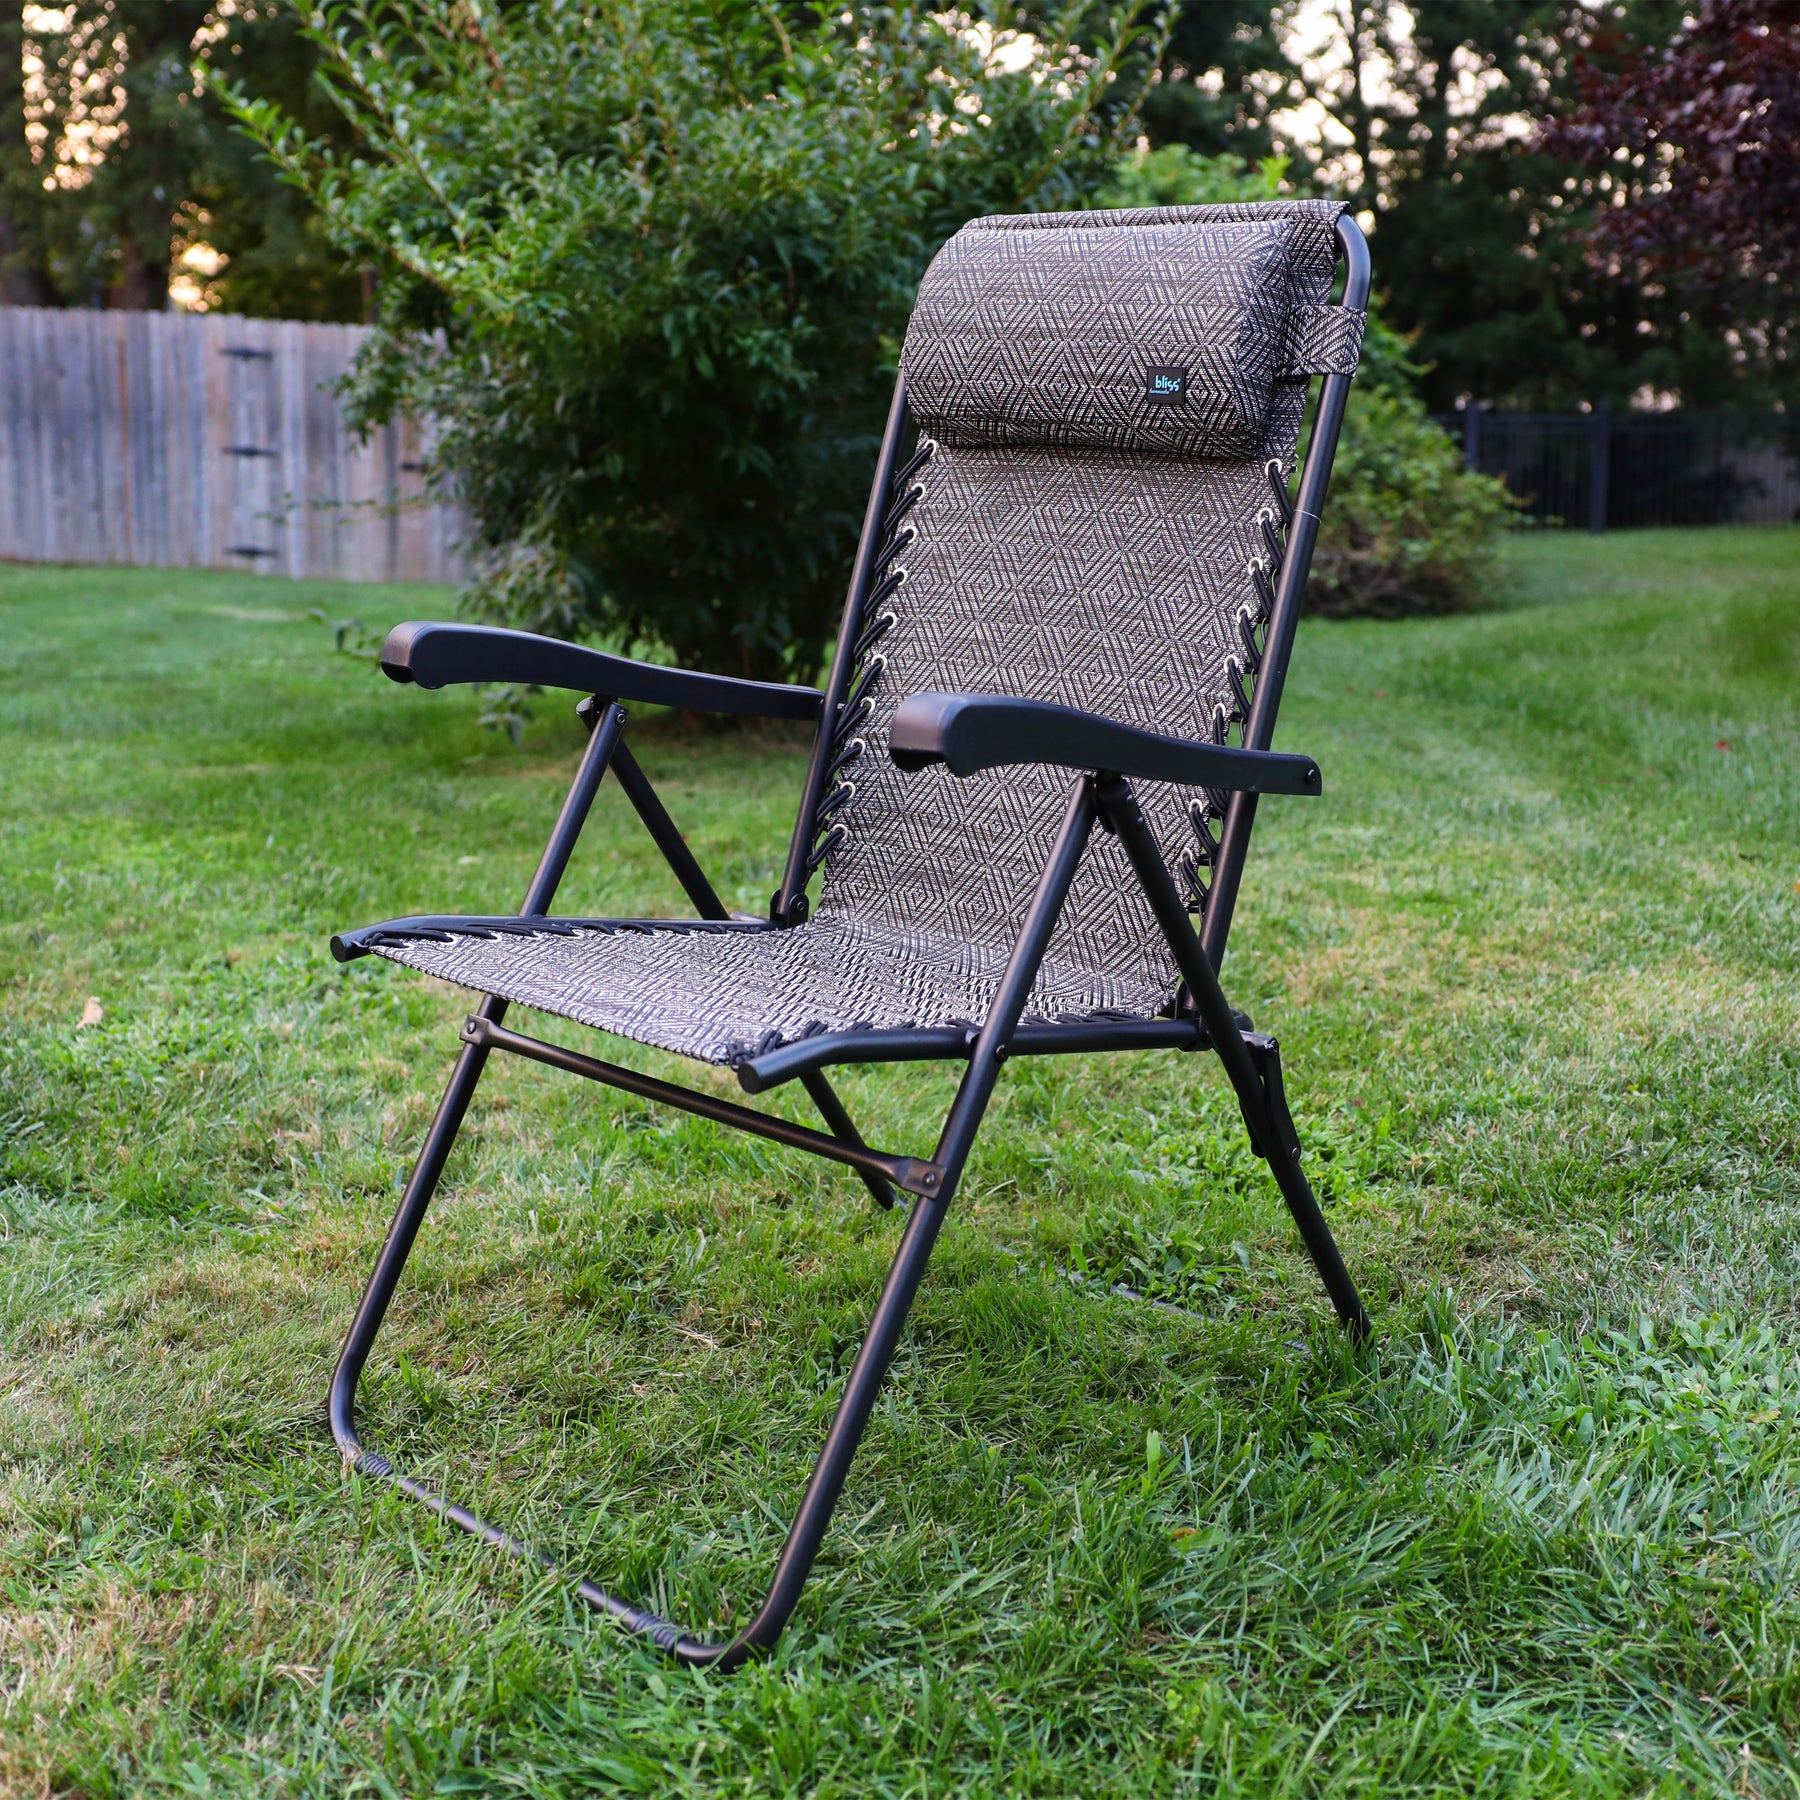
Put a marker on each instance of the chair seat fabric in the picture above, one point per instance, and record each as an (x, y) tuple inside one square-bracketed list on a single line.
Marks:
[(723, 995)]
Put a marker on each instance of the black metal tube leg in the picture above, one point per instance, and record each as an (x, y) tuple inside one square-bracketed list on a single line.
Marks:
[(922, 1227), (1321, 1246), (861, 1391), (1122, 811), (832, 1111), (608, 723), (827, 1482), (420, 1187)]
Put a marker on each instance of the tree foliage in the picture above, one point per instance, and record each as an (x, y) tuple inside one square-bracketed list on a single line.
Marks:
[(1692, 150), (1408, 529), (1428, 111), (1224, 63), (1175, 176), (646, 263), (115, 160), (1477, 236)]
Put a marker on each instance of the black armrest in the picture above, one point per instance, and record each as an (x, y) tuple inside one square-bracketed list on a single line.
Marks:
[(968, 732), (437, 655)]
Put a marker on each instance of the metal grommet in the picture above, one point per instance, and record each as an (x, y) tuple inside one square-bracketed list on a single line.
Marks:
[(829, 842)]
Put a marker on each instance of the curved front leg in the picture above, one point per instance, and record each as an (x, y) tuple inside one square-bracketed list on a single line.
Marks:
[(822, 1491)]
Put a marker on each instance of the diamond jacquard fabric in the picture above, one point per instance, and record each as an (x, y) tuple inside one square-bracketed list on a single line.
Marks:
[(1106, 582), (723, 996), (1054, 551)]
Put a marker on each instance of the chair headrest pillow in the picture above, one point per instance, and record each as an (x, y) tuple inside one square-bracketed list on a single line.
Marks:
[(1170, 330)]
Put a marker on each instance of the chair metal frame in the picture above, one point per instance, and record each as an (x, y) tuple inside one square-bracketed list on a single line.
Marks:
[(1100, 794)]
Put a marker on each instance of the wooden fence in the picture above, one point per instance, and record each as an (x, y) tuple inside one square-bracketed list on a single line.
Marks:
[(203, 441)]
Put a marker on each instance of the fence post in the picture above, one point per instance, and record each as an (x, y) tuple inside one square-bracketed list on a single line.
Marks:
[(1599, 465), (1472, 437)]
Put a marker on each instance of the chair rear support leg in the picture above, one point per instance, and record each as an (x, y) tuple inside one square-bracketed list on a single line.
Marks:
[(1259, 1090), (835, 1115)]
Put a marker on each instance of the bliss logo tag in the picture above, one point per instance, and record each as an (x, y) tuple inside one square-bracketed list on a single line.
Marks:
[(1166, 385)]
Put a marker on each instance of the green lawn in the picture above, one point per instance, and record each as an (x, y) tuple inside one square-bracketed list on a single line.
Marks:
[(1535, 963)]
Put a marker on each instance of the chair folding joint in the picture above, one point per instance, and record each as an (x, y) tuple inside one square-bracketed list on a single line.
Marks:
[(1271, 1127)]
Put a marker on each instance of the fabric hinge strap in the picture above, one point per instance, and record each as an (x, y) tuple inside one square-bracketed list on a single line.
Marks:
[(1327, 340)]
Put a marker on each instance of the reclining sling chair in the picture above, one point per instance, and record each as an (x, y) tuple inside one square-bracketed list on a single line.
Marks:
[(1072, 606)]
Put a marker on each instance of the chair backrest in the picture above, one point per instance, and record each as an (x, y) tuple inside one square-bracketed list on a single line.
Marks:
[(1108, 406)]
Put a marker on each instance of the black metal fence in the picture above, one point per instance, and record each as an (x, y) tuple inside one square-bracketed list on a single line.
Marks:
[(1589, 471)]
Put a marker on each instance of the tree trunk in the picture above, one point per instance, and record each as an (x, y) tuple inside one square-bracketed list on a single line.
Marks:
[(21, 282), (143, 284)]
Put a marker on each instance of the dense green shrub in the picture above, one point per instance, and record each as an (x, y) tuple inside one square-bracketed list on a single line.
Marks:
[(1407, 529), (646, 263), (647, 267), (1178, 176)]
